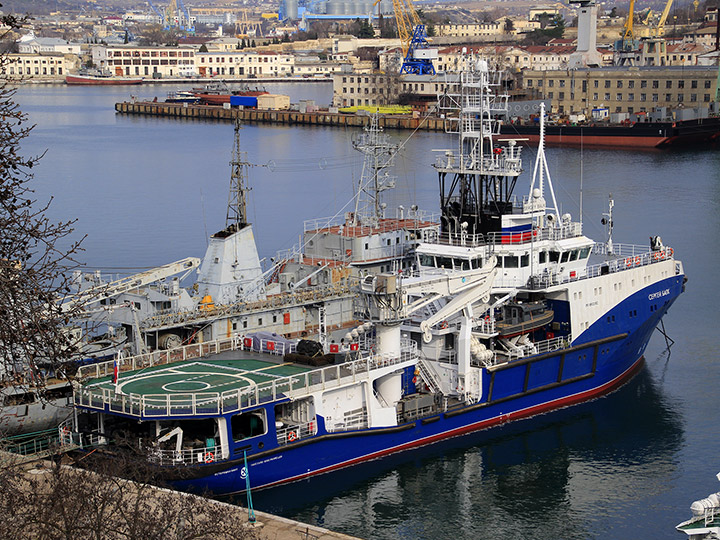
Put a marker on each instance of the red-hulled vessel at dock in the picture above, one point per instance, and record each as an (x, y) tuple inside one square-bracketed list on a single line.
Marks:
[(638, 135), (98, 77)]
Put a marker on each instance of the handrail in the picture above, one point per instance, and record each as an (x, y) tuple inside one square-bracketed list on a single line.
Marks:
[(253, 395), (173, 317), (628, 257), (186, 352), (497, 240), (186, 456), (366, 225)]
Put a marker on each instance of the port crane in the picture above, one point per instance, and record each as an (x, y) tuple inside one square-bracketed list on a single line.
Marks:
[(417, 56), (627, 43), (175, 15), (658, 29)]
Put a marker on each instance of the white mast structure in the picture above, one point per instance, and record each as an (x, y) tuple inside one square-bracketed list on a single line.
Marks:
[(540, 172)]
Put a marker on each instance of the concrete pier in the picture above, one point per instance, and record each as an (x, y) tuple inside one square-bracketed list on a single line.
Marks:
[(319, 118)]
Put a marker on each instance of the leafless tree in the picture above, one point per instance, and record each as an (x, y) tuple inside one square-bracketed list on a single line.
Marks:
[(37, 255), (63, 503)]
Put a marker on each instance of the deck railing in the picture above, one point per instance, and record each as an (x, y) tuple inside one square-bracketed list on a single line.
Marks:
[(237, 342), (295, 432), (253, 395), (499, 239), (628, 256), (298, 297), (186, 456)]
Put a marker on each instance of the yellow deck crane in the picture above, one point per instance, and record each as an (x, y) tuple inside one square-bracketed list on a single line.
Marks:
[(417, 57)]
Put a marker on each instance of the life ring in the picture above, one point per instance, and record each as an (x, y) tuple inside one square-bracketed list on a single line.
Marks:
[(444, 325), (638, 260), (487, 318), (497, 151), (628, 261), (209, 457), (292, 436), (414, 379), (656, 256), (670, 252)]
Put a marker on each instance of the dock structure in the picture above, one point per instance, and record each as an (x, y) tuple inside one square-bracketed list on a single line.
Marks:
[(288, 117)]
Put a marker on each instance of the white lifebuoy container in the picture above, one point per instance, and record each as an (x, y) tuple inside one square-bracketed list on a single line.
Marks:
[(209, 457), (292, 436)]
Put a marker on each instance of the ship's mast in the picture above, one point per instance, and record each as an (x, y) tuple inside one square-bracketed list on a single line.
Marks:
[(237, 199), (476, 186), (379, 154), (541, 170)]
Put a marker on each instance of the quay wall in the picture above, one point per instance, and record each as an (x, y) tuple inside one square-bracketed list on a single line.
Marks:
[(319, 118)]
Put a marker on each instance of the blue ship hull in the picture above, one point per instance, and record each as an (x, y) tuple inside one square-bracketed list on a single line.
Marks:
[(607, 355)]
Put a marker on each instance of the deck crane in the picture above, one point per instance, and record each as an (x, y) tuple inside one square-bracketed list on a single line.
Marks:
[(417, 56), (100, 291)]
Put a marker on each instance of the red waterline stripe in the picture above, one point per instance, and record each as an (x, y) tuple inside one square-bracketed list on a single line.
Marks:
[(477, 426)]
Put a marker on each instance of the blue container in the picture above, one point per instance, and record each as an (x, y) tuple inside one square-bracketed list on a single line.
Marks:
[(245, 101)]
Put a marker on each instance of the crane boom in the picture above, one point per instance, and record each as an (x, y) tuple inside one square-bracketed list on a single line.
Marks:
[(628, 34), (99, 292), (663, 18)]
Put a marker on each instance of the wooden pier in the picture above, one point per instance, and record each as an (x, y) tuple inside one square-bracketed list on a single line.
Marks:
[(319, 118)]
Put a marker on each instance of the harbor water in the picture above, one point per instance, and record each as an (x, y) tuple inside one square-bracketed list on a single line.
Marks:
[(147, 191)]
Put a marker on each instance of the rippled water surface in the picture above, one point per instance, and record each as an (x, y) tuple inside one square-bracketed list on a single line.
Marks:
[(148, 191)]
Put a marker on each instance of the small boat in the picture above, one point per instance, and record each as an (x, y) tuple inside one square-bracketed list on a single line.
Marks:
[(182, 96), (28, 407), (705, 522), (521, 318), (100, 77), (220, 93)]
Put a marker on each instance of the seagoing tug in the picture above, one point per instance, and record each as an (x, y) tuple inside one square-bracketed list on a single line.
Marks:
[(510, 311)]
